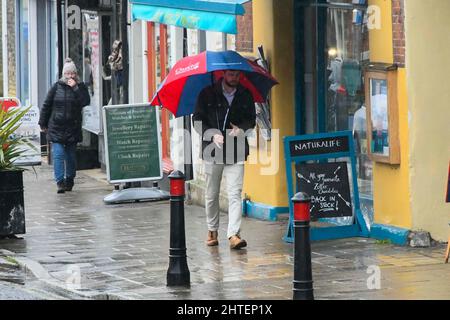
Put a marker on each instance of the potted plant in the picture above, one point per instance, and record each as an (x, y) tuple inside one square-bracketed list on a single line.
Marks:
[(12, 146)]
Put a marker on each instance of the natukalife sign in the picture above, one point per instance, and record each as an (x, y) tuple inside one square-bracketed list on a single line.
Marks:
[(325, 163)]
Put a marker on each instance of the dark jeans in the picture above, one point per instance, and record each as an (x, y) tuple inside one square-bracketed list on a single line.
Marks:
[(64, 161)]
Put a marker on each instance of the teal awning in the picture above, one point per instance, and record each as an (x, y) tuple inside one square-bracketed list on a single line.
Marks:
[(211, 15)]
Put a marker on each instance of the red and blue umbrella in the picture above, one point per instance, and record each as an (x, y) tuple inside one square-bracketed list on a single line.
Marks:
[(190, 75)]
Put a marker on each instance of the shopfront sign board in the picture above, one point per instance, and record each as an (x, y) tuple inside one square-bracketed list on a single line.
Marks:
[(327, 183), (328, 186), (132, 143)]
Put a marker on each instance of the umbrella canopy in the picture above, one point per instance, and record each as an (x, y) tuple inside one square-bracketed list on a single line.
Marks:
[(189, 76)]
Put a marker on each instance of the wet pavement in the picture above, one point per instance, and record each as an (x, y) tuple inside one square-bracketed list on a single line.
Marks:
[(16, 283), (78, 247)]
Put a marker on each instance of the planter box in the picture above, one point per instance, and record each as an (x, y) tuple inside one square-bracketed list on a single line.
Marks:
[(12, 209)]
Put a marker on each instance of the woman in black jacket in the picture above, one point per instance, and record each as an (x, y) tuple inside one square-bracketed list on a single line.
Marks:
[(60, 118)]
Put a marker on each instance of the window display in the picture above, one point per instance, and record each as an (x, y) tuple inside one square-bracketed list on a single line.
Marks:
[(379, 117), (382, 124), (91, 71), (347, 48)]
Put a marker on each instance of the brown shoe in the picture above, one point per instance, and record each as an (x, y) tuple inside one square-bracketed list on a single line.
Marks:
[(212, 239), (236, 242)]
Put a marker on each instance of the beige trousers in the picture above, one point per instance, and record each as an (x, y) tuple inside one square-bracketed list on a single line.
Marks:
[(234, 175)]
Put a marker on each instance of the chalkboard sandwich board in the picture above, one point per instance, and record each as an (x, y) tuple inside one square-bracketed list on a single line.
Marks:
[(132, 143), (328, 186)]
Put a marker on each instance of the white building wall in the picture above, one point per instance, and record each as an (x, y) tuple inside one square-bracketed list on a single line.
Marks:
[(4, 44), (177, 138)]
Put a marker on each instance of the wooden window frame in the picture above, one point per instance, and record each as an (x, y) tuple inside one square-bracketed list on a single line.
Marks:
[(390, 76)]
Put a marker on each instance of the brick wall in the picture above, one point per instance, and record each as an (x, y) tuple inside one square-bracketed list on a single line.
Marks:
[(398, 28), (244, 38)]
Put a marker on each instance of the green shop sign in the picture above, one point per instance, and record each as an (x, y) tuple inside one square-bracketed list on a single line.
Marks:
[(132, 143)]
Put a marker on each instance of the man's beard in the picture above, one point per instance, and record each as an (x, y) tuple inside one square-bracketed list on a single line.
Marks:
[(231, 85)]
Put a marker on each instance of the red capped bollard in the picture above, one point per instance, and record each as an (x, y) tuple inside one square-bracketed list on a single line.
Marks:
[(302, 284), (178, 272)]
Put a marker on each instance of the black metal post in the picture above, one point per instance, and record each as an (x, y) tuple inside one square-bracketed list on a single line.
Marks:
[(303, 284), (178, 272)]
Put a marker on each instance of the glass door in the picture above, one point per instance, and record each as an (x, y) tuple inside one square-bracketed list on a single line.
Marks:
[(333, 44)]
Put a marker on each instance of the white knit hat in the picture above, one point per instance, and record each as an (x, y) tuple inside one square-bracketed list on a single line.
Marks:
[(69, 66)]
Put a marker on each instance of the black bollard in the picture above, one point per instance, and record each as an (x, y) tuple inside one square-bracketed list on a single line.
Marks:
[(303, 284), (178, 272)]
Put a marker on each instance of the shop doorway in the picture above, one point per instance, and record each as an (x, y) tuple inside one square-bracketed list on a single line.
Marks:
[(332, 48), (96, 74)]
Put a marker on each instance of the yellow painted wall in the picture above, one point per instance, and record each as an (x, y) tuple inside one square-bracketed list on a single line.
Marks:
[(273, 28), (391, 182), (381, 45), (428, 52)]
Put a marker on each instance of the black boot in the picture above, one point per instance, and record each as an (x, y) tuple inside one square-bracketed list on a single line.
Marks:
[(61, 187), (68, 184)]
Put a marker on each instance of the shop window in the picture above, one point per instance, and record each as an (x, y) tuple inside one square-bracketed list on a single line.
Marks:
[(347, 38), (52, 43), (382, 113), (91, 66), (335, 52), (23, 72)]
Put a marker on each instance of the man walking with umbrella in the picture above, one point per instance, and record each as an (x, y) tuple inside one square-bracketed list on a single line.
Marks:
[(225, 111)]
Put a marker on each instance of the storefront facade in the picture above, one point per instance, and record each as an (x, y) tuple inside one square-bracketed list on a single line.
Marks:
[(29, 49), (155, 47), (321, 60), (320, 51)]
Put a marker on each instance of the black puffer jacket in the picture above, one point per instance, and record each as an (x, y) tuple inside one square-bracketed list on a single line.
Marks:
[(211, 110), (61, 112)]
